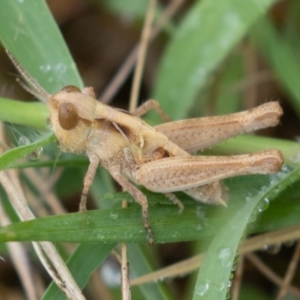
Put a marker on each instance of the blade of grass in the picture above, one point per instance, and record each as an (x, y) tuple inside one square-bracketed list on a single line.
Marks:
[(250, 143), (17, 153), (201, 42), (213, 282), (194, 223), (141, 265), (92, 255), (29, 32), (281, 58), (31, 114)]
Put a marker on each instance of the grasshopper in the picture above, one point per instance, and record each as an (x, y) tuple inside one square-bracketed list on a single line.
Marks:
[(158, 157)]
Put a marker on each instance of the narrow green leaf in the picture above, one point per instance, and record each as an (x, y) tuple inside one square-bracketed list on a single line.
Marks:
[(140, 265), (214, 276), (205, 36), (84, 261), (12, 155), (250, 143), (31, 114), (281, 58), (29, 32), (197, 221)]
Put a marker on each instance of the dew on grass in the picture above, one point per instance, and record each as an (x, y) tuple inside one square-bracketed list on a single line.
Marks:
[(202, 288), (225, 255)]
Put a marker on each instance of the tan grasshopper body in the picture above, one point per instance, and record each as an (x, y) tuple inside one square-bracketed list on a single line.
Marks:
[(155, 157)]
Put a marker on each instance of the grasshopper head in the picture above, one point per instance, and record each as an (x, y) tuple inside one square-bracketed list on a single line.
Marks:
[(72, 113)]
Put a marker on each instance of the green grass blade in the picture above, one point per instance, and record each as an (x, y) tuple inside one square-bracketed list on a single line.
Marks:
[(31, 114), (205, 36), (14, 154), (82, 263), (251, 143), (281, 57), (140, 265), (196, 222), (214, 275), (29, 32)]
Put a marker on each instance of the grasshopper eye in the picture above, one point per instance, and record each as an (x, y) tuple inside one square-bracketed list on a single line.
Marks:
[(67, 116), (71, 89)]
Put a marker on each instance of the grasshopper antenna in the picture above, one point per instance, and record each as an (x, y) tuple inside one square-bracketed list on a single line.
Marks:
[(33, 87)]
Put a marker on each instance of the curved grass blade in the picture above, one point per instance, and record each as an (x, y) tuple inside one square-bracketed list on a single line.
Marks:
[(12, 155), (213, 282), (204, 38), (29, 32)]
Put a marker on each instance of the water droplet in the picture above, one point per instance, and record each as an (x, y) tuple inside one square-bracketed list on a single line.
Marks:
[(200, 213), (253, 217), (202, 288), (60, 68), (101, 236), (225, 255), (220, 286), (113, 215), (229, 283), (249, 199), (45, 68), (199, 227), (263, 205)]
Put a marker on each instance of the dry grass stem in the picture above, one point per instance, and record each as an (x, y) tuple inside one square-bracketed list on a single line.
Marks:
[(290, 273), (270, 274), (57, 270), (20, 261), (127, 66), (250, 245), (237, 281), (141, 56)]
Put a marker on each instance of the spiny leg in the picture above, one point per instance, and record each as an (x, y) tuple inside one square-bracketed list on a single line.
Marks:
[(138, 196), (180, 174), (88, 180)]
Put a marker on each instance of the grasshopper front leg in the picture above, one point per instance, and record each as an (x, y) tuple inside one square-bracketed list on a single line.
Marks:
[(187, 173), (88, 179)]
